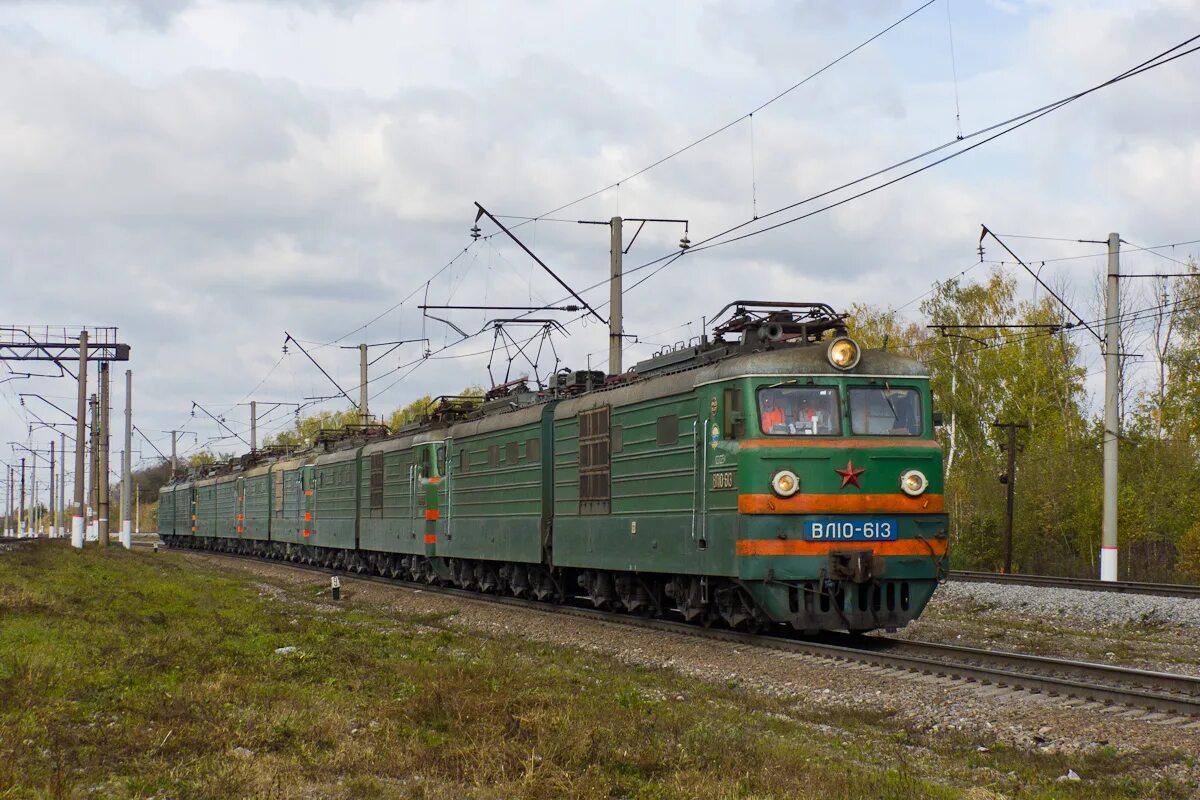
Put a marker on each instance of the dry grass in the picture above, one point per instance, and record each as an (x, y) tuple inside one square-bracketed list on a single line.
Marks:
[(126, 675)]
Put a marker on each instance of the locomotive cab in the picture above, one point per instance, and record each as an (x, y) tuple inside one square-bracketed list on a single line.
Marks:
[(840, 515)]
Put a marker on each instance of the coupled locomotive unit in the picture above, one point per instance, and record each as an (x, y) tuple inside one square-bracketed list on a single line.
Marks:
[(776, 474)]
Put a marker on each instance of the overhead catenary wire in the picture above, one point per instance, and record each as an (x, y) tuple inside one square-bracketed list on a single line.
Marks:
[(1001, 128), (1013, 123), (679, 151), (954, 73), (1124, 318)]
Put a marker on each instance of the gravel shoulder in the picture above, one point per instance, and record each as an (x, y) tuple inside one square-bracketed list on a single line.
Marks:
[(1159, 633), (984, 716)]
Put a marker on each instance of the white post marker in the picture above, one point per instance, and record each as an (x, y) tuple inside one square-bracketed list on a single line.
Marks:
[(335, 587), (77, 532)]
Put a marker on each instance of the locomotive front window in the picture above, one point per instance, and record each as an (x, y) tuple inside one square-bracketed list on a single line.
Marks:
[(799, 410), (877, 411)]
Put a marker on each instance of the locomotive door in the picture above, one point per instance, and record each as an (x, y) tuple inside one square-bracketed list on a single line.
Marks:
[(412, 500), (239, 498), (443, 489), (700, 425), (306, 484), (192, 505)]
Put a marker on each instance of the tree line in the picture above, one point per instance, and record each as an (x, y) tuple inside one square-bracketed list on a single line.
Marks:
[(1037, 374)]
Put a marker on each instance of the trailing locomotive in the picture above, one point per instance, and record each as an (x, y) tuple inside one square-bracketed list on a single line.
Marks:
[(774, 475)]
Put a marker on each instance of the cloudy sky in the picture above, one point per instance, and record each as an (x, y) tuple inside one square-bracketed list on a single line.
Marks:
[(208, 175)]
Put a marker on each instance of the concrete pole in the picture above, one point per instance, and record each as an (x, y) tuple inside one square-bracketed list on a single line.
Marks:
[(253, 426), (8, 505), (102, 465), (62, 485), (127, 465), (93, 455), (1112, 422), (174, 460), (121, 499), (52, 507), (33, 515), (80, 424), (137, 503), (614, 297), (363, 413), (21, 513)]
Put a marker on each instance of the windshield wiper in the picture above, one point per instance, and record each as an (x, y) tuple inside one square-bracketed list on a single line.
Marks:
[(887, 390)]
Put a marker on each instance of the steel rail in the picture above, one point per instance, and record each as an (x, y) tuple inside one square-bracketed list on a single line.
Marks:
[(1088, 584), (1110, 685)]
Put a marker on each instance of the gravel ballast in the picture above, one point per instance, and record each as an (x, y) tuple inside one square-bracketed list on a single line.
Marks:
[(1105, 608)]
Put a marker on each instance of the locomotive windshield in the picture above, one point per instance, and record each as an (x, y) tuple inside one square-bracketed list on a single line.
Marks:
[(799, 410), (876, 411)]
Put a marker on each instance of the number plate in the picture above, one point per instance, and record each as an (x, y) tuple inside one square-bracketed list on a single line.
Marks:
[(851, 529), (722, 480)]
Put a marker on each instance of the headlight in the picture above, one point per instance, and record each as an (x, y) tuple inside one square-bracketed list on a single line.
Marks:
[(913, 482), (843, 353), (785, 483)]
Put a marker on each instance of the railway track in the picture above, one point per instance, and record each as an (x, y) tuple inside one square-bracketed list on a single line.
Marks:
[(1090, 584), (1171, 695)]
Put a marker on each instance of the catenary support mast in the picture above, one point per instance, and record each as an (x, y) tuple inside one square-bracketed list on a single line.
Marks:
[(52, 508), (93, 454), (80, 430), (102, 461), (615, 314), (62, 484), (127, 465), (364, 416), (1112, 421)]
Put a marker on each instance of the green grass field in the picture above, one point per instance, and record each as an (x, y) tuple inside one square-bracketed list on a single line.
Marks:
[(134, 675)]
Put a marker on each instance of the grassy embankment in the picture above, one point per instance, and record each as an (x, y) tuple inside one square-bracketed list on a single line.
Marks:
[(135, 675)]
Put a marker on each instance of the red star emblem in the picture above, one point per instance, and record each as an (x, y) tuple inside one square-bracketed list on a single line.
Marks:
[(850, 474)]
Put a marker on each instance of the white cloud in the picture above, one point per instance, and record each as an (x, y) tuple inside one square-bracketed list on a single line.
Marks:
[(221, 172)]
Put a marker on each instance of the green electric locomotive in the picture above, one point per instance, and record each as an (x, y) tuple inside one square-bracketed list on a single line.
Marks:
[(777, 474)]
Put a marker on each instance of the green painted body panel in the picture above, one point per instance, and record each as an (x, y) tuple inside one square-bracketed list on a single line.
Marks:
[(185, 507), (394, 527), (492, 511), (335, 501), (206, 510), (216, 508), (166, 510), (288, 524), (256, 506), (658, 520)]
